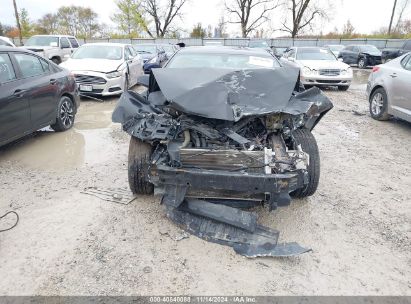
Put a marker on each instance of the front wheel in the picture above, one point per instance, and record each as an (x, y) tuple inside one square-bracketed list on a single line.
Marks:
[(65, 115), (362, 63), (379, 105), (306, 139), (126, 85), (139, 155)]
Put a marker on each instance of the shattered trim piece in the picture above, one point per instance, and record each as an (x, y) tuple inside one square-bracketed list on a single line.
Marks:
[(262, 242), (118, 196)]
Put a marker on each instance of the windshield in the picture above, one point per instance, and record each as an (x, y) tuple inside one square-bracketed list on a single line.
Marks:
[(336, 48), (147, 49), (258, 44), (224, 61), (368, 48), (42, 41), (99, 52), (315, 54)]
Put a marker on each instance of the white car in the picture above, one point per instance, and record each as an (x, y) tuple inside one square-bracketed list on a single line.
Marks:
[(5, 41), (105, 68), (57, 48), (319, 67)]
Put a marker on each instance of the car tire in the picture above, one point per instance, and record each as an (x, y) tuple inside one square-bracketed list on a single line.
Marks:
[(139, 155), (126, 84), (343, 88), (379, 105), (65, 115), (56, 60), (308, 143), (362, 63)]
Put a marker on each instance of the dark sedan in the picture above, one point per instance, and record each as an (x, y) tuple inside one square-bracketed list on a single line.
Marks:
[(34, 93), (361, 55)]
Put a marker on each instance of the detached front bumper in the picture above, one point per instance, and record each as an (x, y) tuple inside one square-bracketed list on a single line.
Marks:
[(179, 183), (94, 83)]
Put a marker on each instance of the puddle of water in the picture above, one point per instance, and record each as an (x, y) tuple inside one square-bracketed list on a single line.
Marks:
[(89, 142), (360, 79)]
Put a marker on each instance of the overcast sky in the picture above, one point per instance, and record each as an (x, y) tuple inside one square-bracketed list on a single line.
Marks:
[(366, 15)]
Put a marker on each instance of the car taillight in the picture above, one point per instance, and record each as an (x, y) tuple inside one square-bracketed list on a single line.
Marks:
[(375, 69)]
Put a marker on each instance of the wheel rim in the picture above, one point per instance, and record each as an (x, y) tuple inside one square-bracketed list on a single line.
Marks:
[(361, 63), (66, 113), (377, 103), (126, 84)]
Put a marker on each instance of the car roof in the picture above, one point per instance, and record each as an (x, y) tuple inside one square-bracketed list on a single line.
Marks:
[(15, 49), (223, 50), (146, 44), (308, 47), (67, 36), (106, 44)]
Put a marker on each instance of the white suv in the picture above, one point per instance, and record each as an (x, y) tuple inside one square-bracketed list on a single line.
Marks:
[(57, 48)]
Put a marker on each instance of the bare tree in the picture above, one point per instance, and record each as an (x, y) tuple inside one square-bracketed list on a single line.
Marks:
[(221, 28), (303, 13), (398, 9), (162, 14), (392, 16), (402, 9), (16, 13), (250, 14)]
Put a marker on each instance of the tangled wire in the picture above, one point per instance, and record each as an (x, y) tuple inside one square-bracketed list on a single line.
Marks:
[(15, 224)]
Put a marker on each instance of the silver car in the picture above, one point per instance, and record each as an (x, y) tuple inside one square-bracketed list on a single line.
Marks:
[(319, 67), (105, 69), (389, 89)]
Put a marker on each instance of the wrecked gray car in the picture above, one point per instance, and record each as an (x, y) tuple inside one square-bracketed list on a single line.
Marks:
[(220, 130)]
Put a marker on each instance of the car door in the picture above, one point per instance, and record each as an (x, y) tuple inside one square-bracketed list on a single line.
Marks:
[(354, 55), (41, 86), (400, 90), (345, 54), (66, 49), (74, 44), (14, 103)]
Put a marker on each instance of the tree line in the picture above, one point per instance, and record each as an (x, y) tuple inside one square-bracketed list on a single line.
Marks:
[(159, 18)]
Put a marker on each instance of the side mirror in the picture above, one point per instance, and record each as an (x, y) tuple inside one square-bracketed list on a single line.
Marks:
[(144, 80), (340, 59), (291, 59), (54, 44)]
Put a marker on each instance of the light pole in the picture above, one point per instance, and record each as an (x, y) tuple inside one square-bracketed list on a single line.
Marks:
[(16, 13)]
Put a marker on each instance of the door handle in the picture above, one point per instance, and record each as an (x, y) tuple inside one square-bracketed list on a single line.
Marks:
[(394, 75), (19, 93), (53, 81)]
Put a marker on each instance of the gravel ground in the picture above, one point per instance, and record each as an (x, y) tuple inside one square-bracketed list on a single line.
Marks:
[(68, 243)]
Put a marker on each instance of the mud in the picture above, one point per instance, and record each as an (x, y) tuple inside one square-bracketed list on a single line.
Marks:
[(68, 243)]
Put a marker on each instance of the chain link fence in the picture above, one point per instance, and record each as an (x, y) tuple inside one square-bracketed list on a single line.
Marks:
[(279, 42)]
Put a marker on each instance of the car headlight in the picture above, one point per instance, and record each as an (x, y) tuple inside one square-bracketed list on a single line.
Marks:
[(153, 60), (115, 74), (348, 71), (307, 71)]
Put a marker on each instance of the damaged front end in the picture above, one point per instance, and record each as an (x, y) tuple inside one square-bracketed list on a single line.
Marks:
[(222, 140)]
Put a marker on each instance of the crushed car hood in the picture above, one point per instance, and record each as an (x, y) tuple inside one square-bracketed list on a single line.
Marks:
[(226, 94)]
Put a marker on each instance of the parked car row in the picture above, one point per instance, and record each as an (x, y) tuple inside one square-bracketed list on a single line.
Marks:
[(41, 83)]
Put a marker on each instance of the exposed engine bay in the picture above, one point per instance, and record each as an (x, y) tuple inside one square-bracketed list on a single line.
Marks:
[(210, 142)]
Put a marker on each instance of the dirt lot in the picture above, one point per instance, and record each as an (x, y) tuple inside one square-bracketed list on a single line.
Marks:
[(68, 243)]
